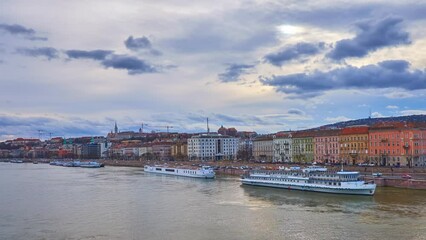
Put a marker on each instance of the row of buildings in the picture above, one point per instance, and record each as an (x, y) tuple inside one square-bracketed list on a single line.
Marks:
[(385, 143)]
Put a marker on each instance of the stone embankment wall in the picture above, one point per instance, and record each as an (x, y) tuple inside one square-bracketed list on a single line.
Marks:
[(398, 182)]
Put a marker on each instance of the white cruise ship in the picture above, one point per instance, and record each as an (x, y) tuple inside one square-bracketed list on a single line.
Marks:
[(203, 172), (311, 179)]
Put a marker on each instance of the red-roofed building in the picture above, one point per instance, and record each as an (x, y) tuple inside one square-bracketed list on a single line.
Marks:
[(23, 141), (326, 144), (354, 145), (227, 131), (397, 144)]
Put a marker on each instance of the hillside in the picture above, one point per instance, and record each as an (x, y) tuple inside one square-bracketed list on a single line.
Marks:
[(371, 121)]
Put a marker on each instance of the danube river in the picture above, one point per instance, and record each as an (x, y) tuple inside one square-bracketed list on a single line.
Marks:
[(49, 202)]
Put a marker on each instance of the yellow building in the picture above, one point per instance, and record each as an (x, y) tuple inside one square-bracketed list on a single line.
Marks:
[(354, 145), (180, 151)]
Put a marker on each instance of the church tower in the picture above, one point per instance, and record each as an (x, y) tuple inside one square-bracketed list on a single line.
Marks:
[(115, 128)]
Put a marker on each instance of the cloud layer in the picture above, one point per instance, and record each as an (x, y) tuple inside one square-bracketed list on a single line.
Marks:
[(48, 52), (94, 54), (371, 36), (294, 52), (140, 44), (133, 65), (386, 74), (16, 29), (234, 71)]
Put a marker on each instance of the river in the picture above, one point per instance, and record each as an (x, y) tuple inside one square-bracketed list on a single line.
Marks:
[(39, 201)]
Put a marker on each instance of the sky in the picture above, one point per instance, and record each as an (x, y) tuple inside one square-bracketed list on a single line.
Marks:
[(74, 68)]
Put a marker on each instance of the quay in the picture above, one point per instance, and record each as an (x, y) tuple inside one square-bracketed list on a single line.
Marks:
[(390, 176)]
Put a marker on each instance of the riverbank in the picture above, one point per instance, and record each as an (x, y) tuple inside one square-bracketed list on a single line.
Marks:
[(390, 176)]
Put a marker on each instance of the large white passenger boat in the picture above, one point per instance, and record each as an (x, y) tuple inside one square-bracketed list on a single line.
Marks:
[(311, 179), (203, 172)]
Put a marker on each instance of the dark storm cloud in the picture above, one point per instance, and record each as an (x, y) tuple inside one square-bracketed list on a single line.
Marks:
[(371, 36), (142, 43), (16, 29), (47, 52), (292, 52), (233, 72), (133, 65), (94, 54), (386, 74)]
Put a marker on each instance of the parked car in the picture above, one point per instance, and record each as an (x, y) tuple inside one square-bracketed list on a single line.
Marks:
[(406, 176)]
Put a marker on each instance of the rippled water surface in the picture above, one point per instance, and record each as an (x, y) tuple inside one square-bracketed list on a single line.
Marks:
[(49, 202)]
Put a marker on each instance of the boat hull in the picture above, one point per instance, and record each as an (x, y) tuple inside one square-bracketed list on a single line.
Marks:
[(367, 190), (181, 172), (90, 166)]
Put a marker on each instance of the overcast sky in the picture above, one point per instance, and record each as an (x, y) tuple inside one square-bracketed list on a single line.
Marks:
[(73, 68)]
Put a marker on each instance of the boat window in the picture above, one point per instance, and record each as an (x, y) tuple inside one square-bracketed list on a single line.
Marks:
[(170, 170), (158, 169)]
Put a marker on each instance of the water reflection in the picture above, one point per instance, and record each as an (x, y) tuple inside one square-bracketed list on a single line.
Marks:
[(386, 203)]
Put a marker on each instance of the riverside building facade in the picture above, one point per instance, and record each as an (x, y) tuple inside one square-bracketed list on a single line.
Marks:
[(303, 147), (283, 147), (263, 148), (212, 146), (354, 145), (326, 143), (397, 144)]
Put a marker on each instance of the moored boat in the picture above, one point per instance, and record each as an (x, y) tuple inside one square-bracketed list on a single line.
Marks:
[(16, 161), (91, 164), (202, 172), (309, 179), (56, 163), (72, 164)]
